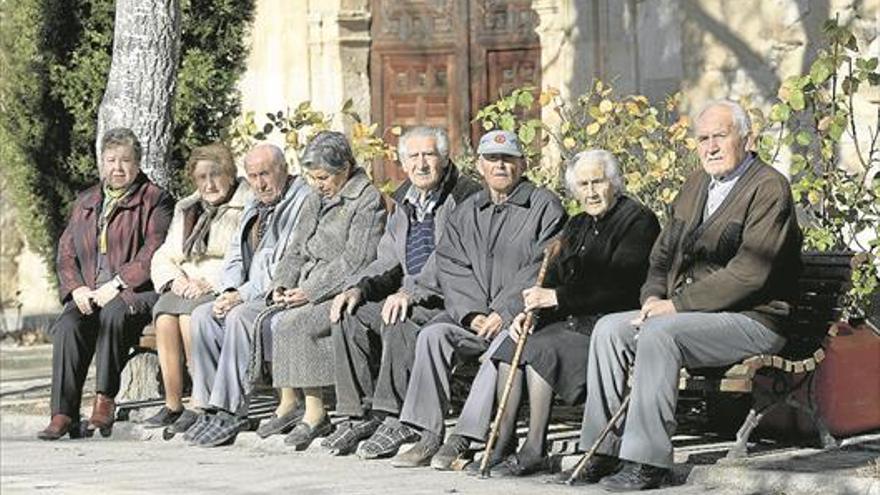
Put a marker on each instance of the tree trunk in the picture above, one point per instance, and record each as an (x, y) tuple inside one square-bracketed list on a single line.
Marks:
[(143, 73)]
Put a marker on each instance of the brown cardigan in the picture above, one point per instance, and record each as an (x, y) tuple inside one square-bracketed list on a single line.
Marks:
[(744, 258)]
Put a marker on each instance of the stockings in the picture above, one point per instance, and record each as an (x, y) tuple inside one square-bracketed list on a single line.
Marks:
[(540, 402)]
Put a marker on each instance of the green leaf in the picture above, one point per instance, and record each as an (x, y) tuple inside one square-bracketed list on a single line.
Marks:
[(267, 128), (796, 100), (780, 112), (803, 138), (525, 99), (507, 122), (821, 70), (526, 134)]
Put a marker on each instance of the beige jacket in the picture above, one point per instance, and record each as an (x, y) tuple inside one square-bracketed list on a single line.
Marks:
[(169, 261)]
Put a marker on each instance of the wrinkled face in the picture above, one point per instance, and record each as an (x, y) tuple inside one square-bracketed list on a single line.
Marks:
[(501, 172), (265, 177), (593, 188), (325, 183), (719, 144), (422, 164), (213, 185), (118, 166)]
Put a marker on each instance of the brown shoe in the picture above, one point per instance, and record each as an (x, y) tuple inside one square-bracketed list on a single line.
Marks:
[(59, 426), (103, 414)]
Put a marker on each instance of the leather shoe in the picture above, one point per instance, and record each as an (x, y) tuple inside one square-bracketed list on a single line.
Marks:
[(635, 476), (599, 467), (59, 426), (103, 414)]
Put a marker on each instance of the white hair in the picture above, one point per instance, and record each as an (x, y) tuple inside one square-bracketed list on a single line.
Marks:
[(441, 140), (740, 117), (609, 163)]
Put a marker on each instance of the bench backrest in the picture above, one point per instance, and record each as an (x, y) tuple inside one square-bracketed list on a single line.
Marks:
[(824, 281)]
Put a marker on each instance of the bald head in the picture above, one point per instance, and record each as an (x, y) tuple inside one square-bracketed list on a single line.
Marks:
[(266, 172)]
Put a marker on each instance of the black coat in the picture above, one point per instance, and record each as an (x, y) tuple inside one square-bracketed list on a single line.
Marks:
[(602, 263)]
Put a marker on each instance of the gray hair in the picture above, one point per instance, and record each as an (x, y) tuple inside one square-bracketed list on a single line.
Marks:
[(609, 163), (740, 117), (328, 151), (122, 136), (441, 140)]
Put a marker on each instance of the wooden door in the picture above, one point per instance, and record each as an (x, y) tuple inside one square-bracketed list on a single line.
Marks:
[(437, 62)]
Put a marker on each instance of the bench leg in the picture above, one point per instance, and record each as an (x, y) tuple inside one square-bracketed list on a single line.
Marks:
[(740, 448)]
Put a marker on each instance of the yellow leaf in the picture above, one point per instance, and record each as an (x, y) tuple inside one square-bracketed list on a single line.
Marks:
[(605, 106), (632, 108), (813, 197), (593, 128), (599, 86), (651, 157), (396, 130), (569, 142)]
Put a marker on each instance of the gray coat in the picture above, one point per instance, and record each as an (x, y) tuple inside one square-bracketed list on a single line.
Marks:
[(388, 272), (341, 239), (254, 283), (491, 253)]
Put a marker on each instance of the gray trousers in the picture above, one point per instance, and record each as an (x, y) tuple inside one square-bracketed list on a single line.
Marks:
[(374, 360), (427, 396), (665, 345), (221, 351)]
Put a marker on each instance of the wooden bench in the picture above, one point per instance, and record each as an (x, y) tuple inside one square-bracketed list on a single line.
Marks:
[(790, 373)]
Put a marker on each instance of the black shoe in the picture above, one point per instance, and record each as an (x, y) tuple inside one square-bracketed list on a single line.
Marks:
[(635, 476), (162, 418), (453, 451), (525, 464), (599, 467), (283, 424)]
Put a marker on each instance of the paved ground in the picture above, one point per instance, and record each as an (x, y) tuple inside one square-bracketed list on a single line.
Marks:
[(135, 460)]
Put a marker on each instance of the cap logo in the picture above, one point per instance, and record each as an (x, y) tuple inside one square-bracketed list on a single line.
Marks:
[(500, 138)]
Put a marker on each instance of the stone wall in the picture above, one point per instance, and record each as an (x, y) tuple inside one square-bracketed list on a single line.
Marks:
[(704, 48), (318, 50)]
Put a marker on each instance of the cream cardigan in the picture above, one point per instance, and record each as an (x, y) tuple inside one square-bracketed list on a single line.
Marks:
[(169, 261)]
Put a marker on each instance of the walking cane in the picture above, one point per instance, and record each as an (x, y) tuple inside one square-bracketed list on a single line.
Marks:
[(549, 252), (582, 463)]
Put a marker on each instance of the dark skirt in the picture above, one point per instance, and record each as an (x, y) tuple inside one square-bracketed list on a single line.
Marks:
[(170, 303), (558, 352)]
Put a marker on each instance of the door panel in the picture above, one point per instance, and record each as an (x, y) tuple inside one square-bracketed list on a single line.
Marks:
[(438, 62)]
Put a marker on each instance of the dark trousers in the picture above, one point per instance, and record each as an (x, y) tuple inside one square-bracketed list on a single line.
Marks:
[(107, 334), (374, 360)]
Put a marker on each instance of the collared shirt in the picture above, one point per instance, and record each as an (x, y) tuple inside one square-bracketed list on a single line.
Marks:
[(720, 187), (422, 206)]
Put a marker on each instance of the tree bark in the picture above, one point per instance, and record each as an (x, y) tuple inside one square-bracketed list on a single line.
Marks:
[(143, 74)]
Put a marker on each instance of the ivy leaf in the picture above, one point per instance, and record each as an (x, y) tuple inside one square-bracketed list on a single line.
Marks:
[(526, 134), (821, 70), (803, 138), (780, 112), (797, 101), (525, 99), (507, 122)]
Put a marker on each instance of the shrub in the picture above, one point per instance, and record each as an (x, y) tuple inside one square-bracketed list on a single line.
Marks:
[(56, 56), (651, 143)]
